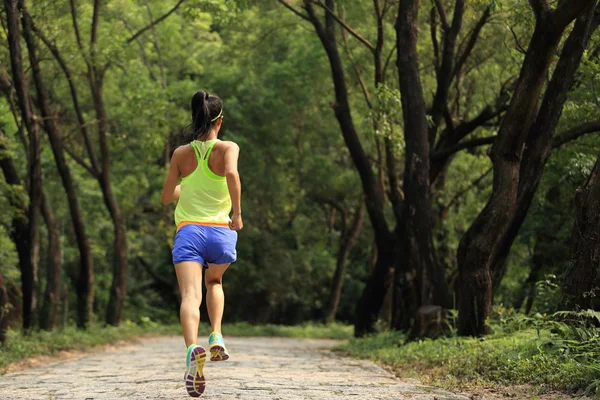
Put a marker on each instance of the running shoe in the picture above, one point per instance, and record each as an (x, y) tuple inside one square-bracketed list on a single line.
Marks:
[(216, 345), (195, 383)]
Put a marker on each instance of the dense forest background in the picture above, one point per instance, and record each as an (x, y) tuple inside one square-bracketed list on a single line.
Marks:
[(398, 159)]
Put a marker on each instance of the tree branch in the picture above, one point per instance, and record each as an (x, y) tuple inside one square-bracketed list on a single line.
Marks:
[(76, 26), (153, 23), (462, 192), (387, 60), (95, 19), (567, 10), (575, 133), (442, 13), (81, 162), (74, 96), (488, 113), (539, 7), (472, 41), (142, 51), (469, 144), (519, 46), (153, 274), (295, 11), (434, 39), (361, 81), (346, 26)]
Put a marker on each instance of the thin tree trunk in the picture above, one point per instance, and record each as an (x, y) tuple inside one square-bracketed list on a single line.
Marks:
[(430, 282), (478, 245), (544, 252), (118, 287), (29, 267), (4, 308), (85, 288), (581, 274), (377, 285), (95, 77), (347, 242), (53, 269)]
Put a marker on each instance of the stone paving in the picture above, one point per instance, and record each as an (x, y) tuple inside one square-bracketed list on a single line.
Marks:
[(259, 368)]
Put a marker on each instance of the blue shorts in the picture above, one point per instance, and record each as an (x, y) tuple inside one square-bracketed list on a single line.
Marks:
[(205, 244)]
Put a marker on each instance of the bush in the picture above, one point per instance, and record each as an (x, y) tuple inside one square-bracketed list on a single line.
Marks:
[(560, 351)]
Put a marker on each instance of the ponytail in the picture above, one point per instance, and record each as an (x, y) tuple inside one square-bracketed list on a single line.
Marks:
[(206, 110)]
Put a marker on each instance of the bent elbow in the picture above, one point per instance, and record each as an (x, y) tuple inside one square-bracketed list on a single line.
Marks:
[(165, 201)]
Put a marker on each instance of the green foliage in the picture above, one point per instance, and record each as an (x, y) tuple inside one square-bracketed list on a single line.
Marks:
[(558, 351), (308, 330), (48, 343)]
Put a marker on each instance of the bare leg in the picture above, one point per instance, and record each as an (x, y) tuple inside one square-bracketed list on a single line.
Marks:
[(215, 298), (189, 276)]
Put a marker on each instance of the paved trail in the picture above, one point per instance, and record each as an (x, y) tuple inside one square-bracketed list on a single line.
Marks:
[(259, 368)]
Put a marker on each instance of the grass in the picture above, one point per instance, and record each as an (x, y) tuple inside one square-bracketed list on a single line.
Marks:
[(43, 343), (309, 330), (526, 356)]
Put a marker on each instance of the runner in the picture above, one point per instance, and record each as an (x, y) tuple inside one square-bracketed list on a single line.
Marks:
[(206, 235)]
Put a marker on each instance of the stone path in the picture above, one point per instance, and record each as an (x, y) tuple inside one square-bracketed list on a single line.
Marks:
[(259, 368)]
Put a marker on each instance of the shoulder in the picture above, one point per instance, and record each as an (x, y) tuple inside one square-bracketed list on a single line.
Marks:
[(229, 145), (181, 152)]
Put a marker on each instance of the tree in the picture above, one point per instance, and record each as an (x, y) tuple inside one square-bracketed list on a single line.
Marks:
[(100, 167), (348, 238), (429, 285), (540, 142), (85, 281), (4, 304), (582, 271), (29, 257), (479, 244)]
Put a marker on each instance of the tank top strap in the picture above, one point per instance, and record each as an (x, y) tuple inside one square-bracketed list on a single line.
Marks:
[(205, 166), (196, 151), (209, 150)]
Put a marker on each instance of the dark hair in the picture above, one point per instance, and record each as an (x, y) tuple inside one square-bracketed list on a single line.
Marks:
[(206, 110)]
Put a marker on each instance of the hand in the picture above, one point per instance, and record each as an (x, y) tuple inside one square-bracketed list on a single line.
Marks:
[(236, 222)]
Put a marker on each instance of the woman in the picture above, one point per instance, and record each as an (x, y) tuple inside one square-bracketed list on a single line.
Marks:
[(206, 237)]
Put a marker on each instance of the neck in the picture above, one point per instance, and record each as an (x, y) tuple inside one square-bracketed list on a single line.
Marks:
[(212, 135)]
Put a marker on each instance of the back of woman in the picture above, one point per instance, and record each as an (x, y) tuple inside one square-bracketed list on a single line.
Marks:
[(209, 187)]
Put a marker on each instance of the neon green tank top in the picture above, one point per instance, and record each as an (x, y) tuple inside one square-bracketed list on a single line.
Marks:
[(204, 196)]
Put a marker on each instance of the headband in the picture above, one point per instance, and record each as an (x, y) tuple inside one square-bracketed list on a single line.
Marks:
[(217, 117)]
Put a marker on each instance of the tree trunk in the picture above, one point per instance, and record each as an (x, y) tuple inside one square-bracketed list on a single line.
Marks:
[(29, 268), (19, 232), (538, 144), (347, 242), (545, 252), (581, 274), (4, 307), (374, 293), (53, 270), (430, 281), (118, 287), (85, 289), (479, 244)]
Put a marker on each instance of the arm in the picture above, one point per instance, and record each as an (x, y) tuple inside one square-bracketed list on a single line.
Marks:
[(234, 185), (171, 188)]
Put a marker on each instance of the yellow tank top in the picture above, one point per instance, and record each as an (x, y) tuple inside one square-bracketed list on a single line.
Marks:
[(204, 197)]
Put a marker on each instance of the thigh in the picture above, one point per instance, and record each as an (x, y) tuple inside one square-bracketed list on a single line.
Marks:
[(189, 277), (215, 272)]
